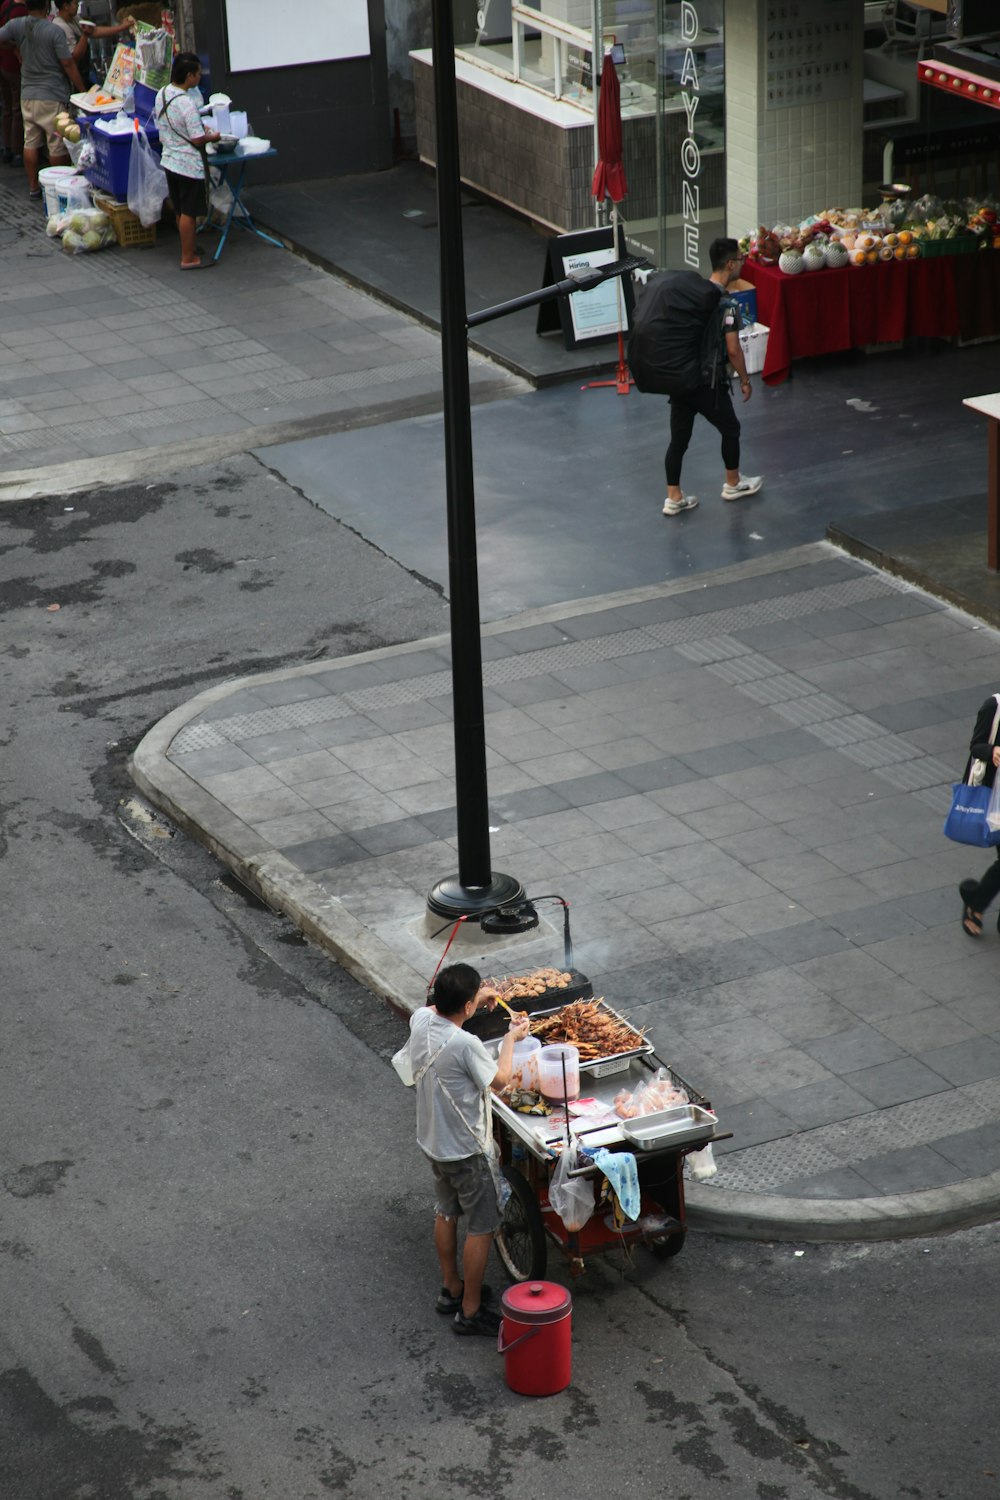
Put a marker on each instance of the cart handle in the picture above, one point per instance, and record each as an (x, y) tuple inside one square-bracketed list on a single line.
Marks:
[(503, 1348)]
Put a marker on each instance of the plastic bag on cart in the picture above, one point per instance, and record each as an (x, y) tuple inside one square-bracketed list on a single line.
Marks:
[(701, 1164), (661, 1092), (571, 1197), (147, 181)]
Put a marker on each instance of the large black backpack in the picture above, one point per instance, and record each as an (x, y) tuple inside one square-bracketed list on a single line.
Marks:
[(676, 344)]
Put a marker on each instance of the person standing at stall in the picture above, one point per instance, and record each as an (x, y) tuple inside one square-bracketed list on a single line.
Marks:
[(453, 1074), (183, 136), (66, 19), (12, 140), (48, 77)]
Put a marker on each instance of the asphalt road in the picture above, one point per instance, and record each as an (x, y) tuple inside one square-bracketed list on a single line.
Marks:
[(217, 1283)]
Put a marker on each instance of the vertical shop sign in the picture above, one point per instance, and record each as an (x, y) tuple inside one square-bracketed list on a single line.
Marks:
[(690, 151)]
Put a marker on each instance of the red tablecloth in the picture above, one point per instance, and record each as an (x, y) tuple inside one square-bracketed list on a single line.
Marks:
[(820, 312)]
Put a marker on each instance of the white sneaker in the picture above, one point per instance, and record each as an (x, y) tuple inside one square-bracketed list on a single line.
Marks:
[(674, 507), (743, 489)]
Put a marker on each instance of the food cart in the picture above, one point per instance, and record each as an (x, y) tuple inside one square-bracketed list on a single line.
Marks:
[(531, 1145)]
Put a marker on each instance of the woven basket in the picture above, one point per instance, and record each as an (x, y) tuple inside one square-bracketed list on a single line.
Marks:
[(129, 230)]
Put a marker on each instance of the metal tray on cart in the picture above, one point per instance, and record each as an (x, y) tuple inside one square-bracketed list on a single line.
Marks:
[(614, 1062), (670, 1127)]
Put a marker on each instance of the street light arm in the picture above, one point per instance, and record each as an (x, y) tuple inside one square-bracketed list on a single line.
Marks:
[(578, 281)]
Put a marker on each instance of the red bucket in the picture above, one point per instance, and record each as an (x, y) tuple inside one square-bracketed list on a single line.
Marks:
[(535, 1337)]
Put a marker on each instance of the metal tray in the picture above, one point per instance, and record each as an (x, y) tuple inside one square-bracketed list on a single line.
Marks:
[(670, 1127), (615, 1062), (487, 1024)]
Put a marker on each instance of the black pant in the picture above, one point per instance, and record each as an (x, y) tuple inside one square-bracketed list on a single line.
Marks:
[(716, 406), (989, 886)]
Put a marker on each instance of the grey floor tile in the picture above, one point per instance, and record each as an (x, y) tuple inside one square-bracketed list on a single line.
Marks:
[(702, 929), (909, 1170), (309, 766), (753, 1123), (787, 1069), (821, 1103), (842, 1183), (625, 812), (387, 838), (976, 1151), (658, 836), (874, 1002), (405, 716), (213, 762), (654, 775), (731, 818), (583, 791), (794, 945), (830, 897), (865, 853), (527, 690), (838, 971), (791, 871), (290, 690), (965, 1062), (298, 828), (848, 1051), (583, 853), (442, 823), (624, 878), (343, 788), (369, 811), (896, 1082), (528, 804), (324, 853), (870, 923), (934, 1026), (765, 914), (740, 1043), (652, 903)]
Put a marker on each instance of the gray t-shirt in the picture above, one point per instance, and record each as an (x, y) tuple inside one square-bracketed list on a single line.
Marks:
[(41, 45), (449, 1129)]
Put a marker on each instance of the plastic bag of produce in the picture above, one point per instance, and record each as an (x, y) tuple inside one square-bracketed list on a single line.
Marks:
[(571, 1197), (78, 192), (147, 181)]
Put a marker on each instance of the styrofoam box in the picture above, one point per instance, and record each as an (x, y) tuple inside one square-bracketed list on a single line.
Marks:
[(753, 341)]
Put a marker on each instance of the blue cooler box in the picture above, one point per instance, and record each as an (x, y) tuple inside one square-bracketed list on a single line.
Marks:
[(747, 302), (109, 173)]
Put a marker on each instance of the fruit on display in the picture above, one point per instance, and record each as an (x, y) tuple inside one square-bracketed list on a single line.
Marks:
[(864, 237)]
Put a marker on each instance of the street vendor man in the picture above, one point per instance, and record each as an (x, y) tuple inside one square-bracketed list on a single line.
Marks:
[(453, 1074)]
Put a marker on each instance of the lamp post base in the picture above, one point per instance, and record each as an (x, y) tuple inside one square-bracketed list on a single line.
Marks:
[(451, 899)]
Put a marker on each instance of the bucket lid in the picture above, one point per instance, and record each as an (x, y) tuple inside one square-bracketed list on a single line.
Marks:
[(536, 1302)]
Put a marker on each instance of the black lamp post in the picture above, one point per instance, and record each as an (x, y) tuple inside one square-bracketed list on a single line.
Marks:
[(475, 888)]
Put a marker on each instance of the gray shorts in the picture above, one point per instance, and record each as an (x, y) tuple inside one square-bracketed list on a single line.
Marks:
[(466, 1187)]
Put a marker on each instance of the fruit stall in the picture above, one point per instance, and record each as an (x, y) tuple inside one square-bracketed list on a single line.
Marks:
[(848, 279)]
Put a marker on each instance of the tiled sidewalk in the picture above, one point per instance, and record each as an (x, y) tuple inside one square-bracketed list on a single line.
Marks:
[(738, 782), (121, 351)]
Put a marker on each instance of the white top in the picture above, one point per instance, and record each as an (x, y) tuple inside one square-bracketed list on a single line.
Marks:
[(179, 123), (454, 1124)]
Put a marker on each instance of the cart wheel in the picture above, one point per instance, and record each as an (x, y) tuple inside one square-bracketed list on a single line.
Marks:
[(520, 1241), (669, 1245)]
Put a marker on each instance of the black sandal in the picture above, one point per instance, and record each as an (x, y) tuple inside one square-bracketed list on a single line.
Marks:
[(972, 922)]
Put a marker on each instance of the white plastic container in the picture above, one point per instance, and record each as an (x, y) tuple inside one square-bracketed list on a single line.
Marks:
[(238, 123), (51, 180), (550, 1072), (524, 1068)]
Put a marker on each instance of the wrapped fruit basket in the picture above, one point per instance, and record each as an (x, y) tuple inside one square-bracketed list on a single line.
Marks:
[(898, 230)]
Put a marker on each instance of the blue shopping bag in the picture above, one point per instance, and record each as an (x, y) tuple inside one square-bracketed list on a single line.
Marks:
[(966, 822)]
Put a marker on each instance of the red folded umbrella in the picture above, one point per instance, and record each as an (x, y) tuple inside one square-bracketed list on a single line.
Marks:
[(609, 174)]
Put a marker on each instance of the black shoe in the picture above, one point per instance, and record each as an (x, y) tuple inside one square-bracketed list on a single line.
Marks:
[(483, 1320), (446, 1303)]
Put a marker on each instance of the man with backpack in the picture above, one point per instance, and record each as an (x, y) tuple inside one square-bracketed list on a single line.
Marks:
[(685, 331), (48, 76)]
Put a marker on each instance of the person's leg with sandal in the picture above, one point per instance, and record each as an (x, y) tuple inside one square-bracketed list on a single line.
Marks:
[(187, 194), (465, 1188), (976, 896)]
